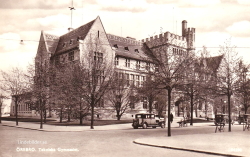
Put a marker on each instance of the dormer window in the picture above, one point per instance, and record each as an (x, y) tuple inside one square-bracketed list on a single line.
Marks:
[(78, 38), (126, 48), (116, 46), (64, 44), (136, 50), (71, 42)]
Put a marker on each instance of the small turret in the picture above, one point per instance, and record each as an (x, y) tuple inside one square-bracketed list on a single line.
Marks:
[(184, 27)]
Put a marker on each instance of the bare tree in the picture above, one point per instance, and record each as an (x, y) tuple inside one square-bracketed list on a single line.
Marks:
[(171, 68), (150, 91), (227, 74), (121, 94), (243, 86), (38, 76), (67, 89), (160, 104), (97, 65), (200, 74), (15, 84)]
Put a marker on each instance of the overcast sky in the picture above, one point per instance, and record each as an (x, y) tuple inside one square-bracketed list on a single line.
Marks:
[(214, 20)]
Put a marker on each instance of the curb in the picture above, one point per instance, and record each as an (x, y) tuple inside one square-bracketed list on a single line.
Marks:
[(184, 149)]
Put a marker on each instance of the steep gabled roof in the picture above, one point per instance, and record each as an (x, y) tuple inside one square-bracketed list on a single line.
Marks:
[(72, 36), (134, 51), (51, 42), (213, 63)]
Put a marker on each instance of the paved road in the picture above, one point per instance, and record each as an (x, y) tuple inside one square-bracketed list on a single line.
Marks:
[(92, 143)]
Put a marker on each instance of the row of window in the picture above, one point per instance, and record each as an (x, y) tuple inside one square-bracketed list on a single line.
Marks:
[(23, 107), (177, 51), (98, 56), (131, 79), (71, 57), (127, 63), (115, 46)]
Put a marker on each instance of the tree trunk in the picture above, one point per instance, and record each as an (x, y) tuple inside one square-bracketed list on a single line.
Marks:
[(41, 114), (169, 108), (118, 117), (69, 116), (178, 110), (150, 103), (50, 114), (229, 112), (16, 106), (81, 113), (196, 111), (61, 115), (44, 118), (92, 113), (192, 108)]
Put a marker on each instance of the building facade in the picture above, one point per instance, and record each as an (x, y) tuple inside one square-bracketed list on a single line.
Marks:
[(127, 56)]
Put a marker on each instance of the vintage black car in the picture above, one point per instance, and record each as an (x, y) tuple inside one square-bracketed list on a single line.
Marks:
[(145, 120)]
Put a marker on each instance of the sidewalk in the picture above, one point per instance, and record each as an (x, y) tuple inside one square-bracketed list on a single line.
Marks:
[(221, 143), (56, 128), (226, 143)]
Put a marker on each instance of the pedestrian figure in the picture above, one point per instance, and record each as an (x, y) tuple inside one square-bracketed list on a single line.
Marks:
[(171, 117)]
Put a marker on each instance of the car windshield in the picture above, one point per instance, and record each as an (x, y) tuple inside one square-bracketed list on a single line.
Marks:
[(145, 116), (140, 116)]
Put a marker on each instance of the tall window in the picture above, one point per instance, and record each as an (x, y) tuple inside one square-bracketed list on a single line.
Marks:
[(71, 56), (138, 65), (127, 63), (99, 76), (137, 80), (98, 57), (121, 75), (116, 60), (143, 78), (132, 79), (127, 79)]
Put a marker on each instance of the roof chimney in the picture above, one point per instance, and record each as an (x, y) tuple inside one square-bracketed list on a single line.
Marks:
[(70, 29)]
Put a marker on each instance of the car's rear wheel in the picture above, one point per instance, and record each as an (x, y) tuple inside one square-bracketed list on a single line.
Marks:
[(144, 126)]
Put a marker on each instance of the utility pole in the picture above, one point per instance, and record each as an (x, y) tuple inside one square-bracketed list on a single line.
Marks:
[(71, 9)]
